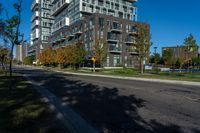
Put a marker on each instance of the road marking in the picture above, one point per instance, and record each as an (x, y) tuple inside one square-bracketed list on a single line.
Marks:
[(192, 99)]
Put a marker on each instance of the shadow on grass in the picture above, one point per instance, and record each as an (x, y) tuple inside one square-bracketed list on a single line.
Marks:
[(22, 111), (103, 107)]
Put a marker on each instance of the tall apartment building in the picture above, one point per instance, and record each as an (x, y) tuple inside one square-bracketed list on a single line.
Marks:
[(87, 21), (41, 22), (21, 51)]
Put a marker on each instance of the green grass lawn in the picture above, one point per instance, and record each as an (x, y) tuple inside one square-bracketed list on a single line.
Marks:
[(130, 72), (176, 76), (149, 74), (23, 111)]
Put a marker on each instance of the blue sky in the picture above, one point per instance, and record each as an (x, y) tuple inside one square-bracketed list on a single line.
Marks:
[(171, 20)]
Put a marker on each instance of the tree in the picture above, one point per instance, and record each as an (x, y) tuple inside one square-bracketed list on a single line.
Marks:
[(77, 54), (167, 56), (2, 24), (196, 62), (60, 56), (28, 60), (3, 56), (155, 57), (191, 47), (12, 32), (177, 63), (190, 42), (47, 56), (142, 43), (100, 51)]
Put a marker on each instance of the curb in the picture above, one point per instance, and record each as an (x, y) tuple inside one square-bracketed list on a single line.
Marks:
[(136, 79), (127, 78), (72, 121)]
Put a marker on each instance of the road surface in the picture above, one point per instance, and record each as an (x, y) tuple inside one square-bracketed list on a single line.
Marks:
[(125, 106)]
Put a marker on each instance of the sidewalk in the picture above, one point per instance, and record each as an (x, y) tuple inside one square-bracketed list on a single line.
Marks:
[(123, 77), (72, 121), (137, 79)]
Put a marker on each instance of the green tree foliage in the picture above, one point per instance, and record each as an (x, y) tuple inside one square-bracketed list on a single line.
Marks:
[(47, 56), (28, 60), (155, 57), (167, 56), (191, 43), (143, 43), (101, 51), (177, 63), (196, 62), (191, 48), (71, 55), (78, 53), (1, 21), (3, 56), (12, 32)]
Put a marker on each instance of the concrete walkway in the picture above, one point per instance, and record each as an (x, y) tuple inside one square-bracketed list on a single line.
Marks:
[(73, 122), (138, 79)]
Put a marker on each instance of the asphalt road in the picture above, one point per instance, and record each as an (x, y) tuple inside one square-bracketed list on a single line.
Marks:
[(125, 106)]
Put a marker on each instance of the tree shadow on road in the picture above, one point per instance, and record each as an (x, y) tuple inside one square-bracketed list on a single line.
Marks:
[(105, 108)]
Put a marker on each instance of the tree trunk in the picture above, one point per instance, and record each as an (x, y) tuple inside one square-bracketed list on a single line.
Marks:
[(10, 68), (141, 66)]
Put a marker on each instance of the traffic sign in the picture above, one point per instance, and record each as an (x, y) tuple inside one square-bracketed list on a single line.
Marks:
[(94, 58)]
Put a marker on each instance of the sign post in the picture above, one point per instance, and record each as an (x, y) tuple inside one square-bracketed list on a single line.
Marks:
[(94, 60)]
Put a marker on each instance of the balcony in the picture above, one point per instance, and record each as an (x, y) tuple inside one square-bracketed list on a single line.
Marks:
[(132, 32), (116, 29), (35, 34), (34, 4), (114, 49), (132, 1), (59, 39), (60, 24), (63, 38), (78, 32), (87, 10), (71, 36), (112, 38), (35, 15), (59, 6), (130, 41), (35, 24), (132, 50)]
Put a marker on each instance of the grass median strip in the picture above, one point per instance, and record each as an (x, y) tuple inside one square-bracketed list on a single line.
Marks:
[(22, 109)]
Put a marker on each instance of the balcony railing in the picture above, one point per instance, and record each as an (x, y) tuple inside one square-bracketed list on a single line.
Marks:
[(133, 32), (59, 6), (78, 32), (35, 24), (132, 50), (60, 24), (116, 29), (112, 39), (35, 3), (87, 9), (35, 34), (130, 41), (35, 15), (114, 49)]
